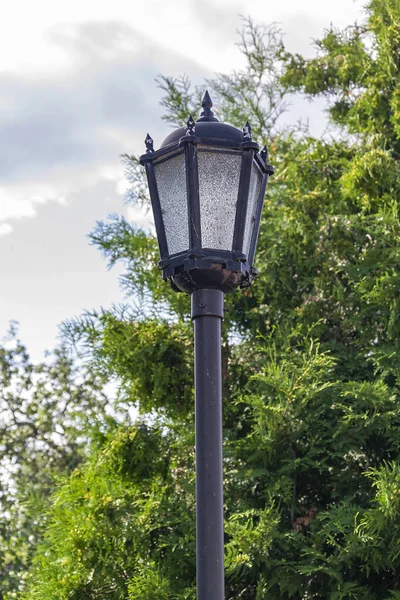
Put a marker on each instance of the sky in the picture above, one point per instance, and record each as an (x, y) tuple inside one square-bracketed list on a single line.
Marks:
[(77, 89)]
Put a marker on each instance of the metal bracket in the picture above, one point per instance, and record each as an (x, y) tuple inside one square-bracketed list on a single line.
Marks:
[(207, 303)]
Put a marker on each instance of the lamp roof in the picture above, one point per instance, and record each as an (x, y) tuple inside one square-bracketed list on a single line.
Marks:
[(207, 126)]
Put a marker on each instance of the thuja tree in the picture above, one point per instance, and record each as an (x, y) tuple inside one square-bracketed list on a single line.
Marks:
[(50, 413), (311, 414)]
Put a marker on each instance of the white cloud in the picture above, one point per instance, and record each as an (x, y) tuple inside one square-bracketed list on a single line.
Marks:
[(140, 217), (5, 228), (20, 201), (64, 133), (13, 208), (204, 30)]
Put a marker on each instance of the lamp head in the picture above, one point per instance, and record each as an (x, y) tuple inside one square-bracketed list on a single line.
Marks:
[(207, 185)]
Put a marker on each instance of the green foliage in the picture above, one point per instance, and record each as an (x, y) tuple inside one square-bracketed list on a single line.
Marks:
[(120, 241), (358, 70), (50, 414), (312, 506), (253, 93), (127, 508), (152, 359)]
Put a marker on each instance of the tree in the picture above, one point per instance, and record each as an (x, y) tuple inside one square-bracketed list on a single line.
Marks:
[(311, 413), (50, 413)]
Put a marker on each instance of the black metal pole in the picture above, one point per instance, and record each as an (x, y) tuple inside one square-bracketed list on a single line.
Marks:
[(207, 313)]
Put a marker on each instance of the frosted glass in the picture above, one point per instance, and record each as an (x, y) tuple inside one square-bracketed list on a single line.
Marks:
[(254, 195), (218, 185), (171, 184)]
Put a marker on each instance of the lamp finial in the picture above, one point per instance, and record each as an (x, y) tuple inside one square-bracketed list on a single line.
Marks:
[(207, 114), (149, 143), (247, 131), (190, 126), (264, 154)]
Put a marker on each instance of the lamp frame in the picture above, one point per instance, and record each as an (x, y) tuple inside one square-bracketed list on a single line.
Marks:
[(232, 268)]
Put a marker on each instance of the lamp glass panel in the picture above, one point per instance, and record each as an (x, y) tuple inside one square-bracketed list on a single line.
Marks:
[(254, 196), (171, 183), (219, 174)]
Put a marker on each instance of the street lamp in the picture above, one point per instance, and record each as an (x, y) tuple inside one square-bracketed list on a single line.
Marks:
[(207, 185)]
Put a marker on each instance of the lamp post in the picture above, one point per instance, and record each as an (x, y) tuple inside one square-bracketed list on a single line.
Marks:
[(207, 185)]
